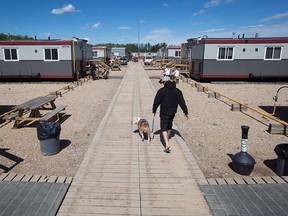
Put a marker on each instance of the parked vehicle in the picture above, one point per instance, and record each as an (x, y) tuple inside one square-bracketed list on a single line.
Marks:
[(124, 61), (148, 60)]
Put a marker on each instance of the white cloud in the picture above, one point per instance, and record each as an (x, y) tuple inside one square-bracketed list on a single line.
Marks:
[(213, 30), (197, 13), (155, 35), (124, 28), (277, 16), (275, 30), (212, 3), (65, 9), (96, 25), (251, 26), (141, 21)]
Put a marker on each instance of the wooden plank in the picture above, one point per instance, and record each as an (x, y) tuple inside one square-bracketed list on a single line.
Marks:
[(26, 178), (239, 181), (278, 179), (221, 181), (3, 176), (249, 180), (18, 177), (11, 116), (53, 113), (61, 179), (10, 177), (212, 182), (43, 178), (268, 179), (285, 178), (230, 181), (69, 180), (35, 178), (259, 180), (52, 179)]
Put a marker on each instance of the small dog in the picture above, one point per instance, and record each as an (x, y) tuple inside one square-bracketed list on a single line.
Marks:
[(143, 127)]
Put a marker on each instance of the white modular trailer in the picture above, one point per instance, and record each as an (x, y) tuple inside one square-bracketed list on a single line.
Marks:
[(44, 59), (118, 51), (245, 58), (172, 52), (100, 53)]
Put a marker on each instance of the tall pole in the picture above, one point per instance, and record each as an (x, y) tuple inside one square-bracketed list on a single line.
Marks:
[(138, 38)]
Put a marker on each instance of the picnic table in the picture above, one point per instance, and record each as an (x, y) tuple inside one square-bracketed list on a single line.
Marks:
[(31, 110)]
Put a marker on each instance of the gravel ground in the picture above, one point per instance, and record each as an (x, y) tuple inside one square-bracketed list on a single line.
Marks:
[(87, 105), (213, 132)]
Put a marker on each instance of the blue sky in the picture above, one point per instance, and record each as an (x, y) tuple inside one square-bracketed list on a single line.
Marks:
[(153, 21)]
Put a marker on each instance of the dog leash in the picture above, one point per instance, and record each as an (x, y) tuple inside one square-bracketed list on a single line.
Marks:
[(153, 126)]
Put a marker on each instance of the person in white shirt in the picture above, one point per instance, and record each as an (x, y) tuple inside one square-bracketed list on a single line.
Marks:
[(176, 75), (167, 72)]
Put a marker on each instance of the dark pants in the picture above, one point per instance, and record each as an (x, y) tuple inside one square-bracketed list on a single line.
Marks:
[(166, 122)]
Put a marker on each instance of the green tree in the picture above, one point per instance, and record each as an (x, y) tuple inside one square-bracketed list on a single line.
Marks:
[(7, 36), (134, 47)]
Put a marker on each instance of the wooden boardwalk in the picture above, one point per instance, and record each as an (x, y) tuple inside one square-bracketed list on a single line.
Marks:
[(121, 175)]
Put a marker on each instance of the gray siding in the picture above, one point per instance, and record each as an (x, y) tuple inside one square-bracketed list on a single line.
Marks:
[(257, 68), (32, 68)]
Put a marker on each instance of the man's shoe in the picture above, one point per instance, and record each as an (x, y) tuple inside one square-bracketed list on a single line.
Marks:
[(167, 150)]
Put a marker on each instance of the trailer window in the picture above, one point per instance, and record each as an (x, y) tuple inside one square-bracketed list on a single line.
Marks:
[(177, 53), (94, 54), (273, 53), (225, 53), (51, 54), (11, 55)]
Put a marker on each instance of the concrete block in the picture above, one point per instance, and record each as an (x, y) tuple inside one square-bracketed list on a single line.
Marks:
[(211, 95), (200, 88), (238, 107), (277, 128)]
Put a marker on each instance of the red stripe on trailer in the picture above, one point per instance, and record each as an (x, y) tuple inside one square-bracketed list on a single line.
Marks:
[(35, 43), (41, 77), (225, 76), (243, 41), (229, 41), (56, 77)]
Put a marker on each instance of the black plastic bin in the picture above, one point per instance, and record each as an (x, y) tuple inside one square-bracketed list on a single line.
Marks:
[(282, 159), (48, 134)]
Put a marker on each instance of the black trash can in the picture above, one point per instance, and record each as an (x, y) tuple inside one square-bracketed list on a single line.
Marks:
[(282, 159), (48, 134)]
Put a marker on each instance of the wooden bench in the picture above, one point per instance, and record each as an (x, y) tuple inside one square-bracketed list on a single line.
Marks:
[(12, 115), (53, 113)]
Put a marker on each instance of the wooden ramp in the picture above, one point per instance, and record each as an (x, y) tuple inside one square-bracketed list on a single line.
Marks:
[(121, 175)]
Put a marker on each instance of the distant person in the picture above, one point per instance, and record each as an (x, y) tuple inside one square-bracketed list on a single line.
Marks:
[(92, 70), (176, 75), (168, 97), (167, 72)]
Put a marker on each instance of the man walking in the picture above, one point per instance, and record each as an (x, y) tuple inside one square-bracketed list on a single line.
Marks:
[(168, 97)]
